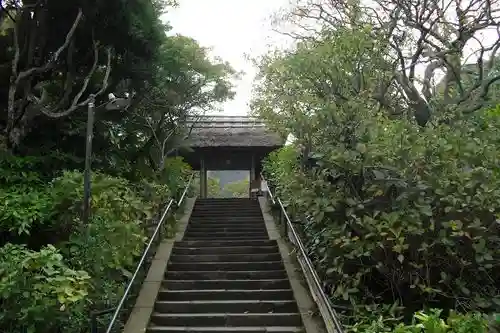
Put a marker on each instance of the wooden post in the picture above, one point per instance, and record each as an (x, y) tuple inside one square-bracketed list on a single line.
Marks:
[(252, 175), (203, 178)]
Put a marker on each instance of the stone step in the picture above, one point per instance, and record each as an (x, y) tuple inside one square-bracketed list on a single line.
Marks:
[(217, 234), (226, 220), (232, 306), (225, 295), (240, 211), (226, 229), (225, 250), (226, 202), (226, 275), (227, 223), (233, 209), (222, 225), (216, 206), (225, 266), (225, 284), (225, 199), (214, 200), (237, 211), (188, 258), (225, 208), (226, 238), (229, 217), (219, 224), (225, 243), (249, 217), (225, 319), (224, 329)]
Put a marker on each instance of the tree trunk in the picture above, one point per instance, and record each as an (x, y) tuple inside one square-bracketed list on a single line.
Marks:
[(18, 127)]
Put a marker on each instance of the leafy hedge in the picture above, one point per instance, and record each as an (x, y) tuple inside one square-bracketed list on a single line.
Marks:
[(54, 270), (399, 218), (432, 321), (36, 285)]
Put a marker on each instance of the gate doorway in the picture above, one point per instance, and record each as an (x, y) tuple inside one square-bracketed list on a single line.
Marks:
[(226, 184)]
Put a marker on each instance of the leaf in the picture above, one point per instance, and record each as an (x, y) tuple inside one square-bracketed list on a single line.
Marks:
[(426, 210), (361, 147), (378, 175), (465, 290), (401, 258)]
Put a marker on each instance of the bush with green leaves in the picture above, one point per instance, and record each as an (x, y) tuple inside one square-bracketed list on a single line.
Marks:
[(395, 214), (38, 288), (102, 253), (112, 197), (175, 173), (433, 321)]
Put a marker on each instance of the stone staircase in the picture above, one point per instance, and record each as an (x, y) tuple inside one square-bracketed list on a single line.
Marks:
[(226, 275)]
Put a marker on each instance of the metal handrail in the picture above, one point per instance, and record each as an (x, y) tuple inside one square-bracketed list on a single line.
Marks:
[(186, 189), (332, 322), (145, 253)]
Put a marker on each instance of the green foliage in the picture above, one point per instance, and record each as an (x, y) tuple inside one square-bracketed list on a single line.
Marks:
[(175, 173), (120, 243), (112, 198), (430, 322), (31, 170), (408, 219), (21, 207), (237, 189), (213, 187), (396, 218), (105, 251), (36, 286)]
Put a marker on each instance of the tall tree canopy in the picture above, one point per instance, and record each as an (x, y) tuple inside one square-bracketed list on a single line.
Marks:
[(423, 42), (58, 53)]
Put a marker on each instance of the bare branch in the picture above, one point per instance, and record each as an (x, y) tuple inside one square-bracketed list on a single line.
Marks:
[(75, 104), (6, 11), (55, 57)]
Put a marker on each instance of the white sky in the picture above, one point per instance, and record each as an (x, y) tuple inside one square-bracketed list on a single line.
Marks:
[(232, 29)]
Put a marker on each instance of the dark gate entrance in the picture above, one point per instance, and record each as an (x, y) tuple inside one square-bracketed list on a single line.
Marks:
[(229, 143)]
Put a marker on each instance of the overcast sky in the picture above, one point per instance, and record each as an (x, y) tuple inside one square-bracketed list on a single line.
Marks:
[(232, 28)]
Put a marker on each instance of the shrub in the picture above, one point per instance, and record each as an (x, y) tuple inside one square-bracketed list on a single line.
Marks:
[(108, 250), (22, 207), (430, 322), (35, 286), (103, 253), (175, 173), (396, 214)]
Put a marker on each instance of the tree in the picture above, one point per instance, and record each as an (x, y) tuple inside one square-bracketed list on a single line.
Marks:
[(213, 187), (420, 39), (169, 76), (320, 85), (238, 189), (62, 52), (186, 83)]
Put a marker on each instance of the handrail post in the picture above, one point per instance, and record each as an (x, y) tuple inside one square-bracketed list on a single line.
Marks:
[(93, 323), (160, 233)]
